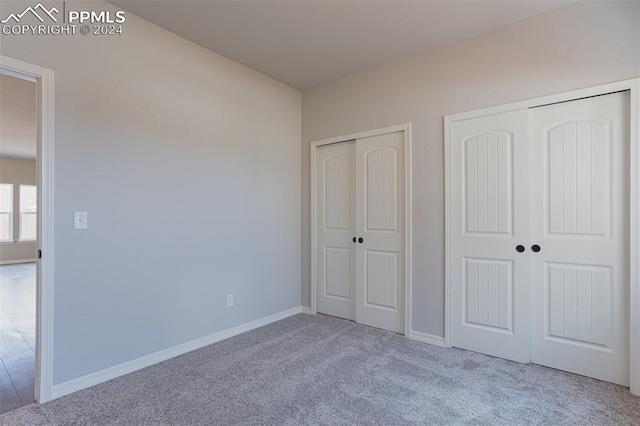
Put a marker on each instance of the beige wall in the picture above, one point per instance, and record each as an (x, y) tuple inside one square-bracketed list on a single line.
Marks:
[(579, 45), (152, 135), (18, 118), (17, 172)]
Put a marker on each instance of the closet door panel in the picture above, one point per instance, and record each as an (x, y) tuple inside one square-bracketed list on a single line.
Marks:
[(490, 285), (335, 198), (580, 167), (380, 223)]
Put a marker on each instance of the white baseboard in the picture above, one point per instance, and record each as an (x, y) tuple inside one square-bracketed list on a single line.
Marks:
[(154, 358), (16, 261), (427, 338), (305, 310)]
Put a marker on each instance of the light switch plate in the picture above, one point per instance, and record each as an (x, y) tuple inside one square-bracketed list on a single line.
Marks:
[(79, 220)]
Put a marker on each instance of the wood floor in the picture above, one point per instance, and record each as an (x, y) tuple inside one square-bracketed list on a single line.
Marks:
[(17, 335)]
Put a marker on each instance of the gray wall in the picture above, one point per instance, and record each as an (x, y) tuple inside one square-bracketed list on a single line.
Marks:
[(188, 165), (17, 172), (579, 45)]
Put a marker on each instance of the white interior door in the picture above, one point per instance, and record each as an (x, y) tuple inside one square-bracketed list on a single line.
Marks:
[(579, 152), (490, 281), (380, 297), (335, 203)]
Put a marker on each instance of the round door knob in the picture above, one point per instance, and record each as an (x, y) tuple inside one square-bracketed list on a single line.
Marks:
[(361, 240), (535, 248), (354, 239), (520, 248)]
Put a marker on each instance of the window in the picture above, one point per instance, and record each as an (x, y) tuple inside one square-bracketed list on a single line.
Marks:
[(6, 210), (28, 212)]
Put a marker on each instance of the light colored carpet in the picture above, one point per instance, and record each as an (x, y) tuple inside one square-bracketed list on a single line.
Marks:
[(323, 370)]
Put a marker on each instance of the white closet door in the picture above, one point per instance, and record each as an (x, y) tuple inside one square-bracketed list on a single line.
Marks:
[(490, 281), (380, 223), (580, 221), (335, 262)]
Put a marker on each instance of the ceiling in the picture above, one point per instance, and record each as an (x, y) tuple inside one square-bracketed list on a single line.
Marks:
[(18, 118), (308, 43)]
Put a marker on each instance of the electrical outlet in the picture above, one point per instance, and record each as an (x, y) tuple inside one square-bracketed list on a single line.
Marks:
[(229, 300)]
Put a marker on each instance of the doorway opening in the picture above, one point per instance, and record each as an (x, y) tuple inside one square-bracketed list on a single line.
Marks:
[(26, 231), (18, 240)]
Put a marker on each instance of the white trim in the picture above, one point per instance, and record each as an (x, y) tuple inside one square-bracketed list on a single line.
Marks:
[(448, 120), (427, 338), (305, 310), (314, 218), (21, 76), (617, 86), (634, 240), (165, 354), (633, 85), (44, 79), (16, 261), (408, 208), (408, 230), (361, 135)]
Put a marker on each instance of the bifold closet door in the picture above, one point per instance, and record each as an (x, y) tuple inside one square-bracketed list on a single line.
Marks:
[(380, 297), (580, 174), (490, 275), (335, 220)]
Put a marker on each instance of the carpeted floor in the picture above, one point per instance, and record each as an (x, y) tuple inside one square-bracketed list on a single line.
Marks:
[(322, 370)]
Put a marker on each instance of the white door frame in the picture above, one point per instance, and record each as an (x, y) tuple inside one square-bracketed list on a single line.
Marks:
[(406, 128), (43, 78), (633, 85)]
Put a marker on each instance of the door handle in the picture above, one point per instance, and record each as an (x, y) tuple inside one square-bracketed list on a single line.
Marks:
[(535, 248), (354, 239), (519, 248), (361, 240)]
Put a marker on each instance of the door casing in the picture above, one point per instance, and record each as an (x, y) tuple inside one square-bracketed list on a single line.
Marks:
[(633, 85), (406, 129)]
